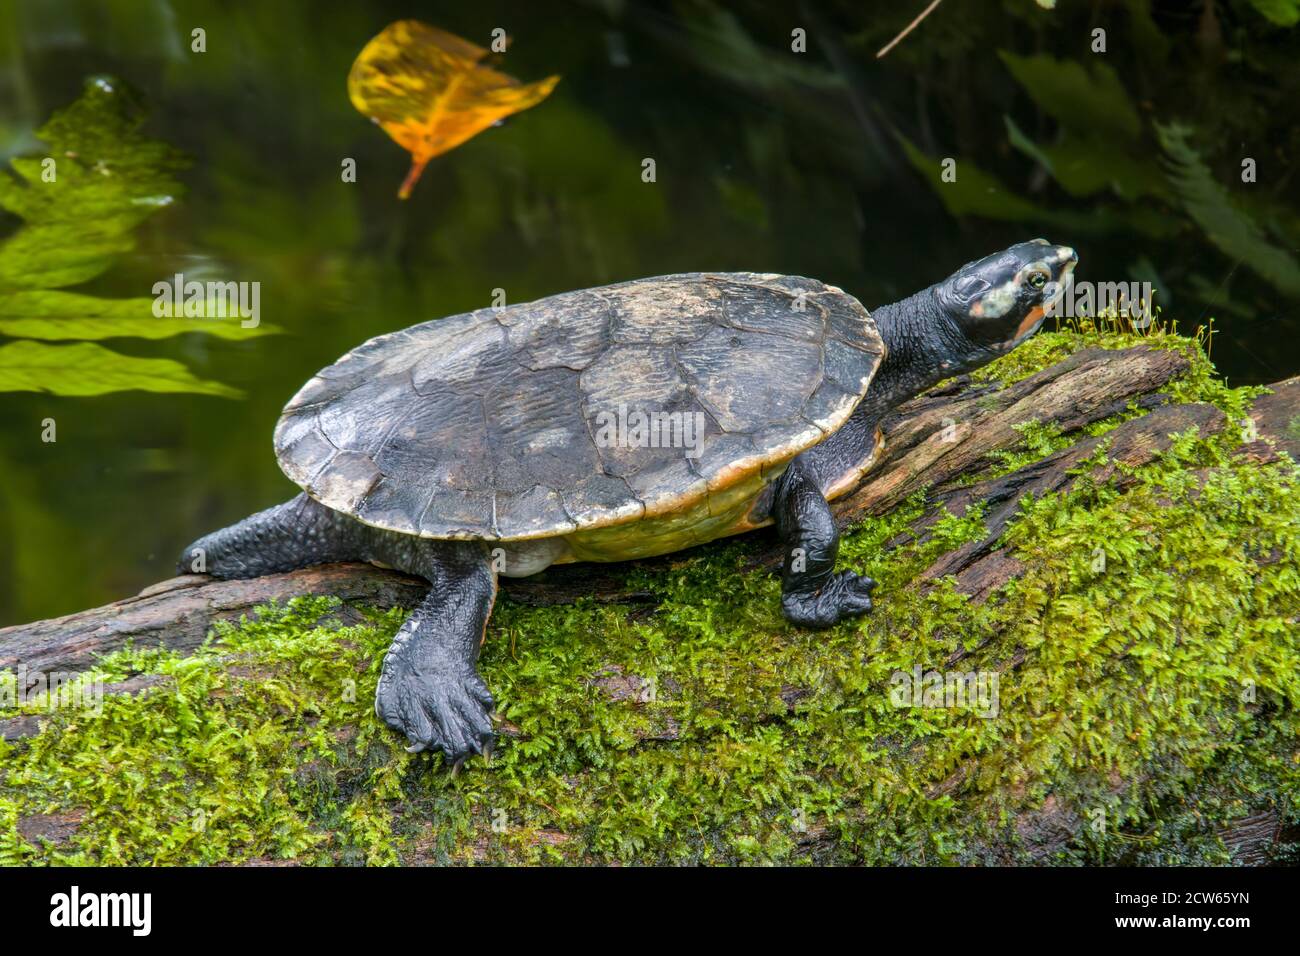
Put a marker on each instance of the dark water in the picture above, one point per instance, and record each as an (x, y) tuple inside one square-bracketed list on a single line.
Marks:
[(766, 160)]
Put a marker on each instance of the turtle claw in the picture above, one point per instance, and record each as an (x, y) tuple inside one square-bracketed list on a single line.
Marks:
[(448, 710), (845, 594)]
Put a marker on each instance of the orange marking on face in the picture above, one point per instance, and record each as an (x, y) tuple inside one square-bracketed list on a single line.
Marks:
[(1030, 320)]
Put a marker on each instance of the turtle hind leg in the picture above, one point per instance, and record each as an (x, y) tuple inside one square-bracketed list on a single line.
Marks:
[(296, 534), (813, 594), (429, 688)]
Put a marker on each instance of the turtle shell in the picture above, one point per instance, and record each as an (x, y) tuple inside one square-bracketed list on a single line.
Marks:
[(521, 422)]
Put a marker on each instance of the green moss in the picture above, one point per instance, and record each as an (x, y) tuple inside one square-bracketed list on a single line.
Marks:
[(1148, 678), (1038, 441)]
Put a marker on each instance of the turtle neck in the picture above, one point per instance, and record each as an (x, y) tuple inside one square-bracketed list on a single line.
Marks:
[(923, 347)]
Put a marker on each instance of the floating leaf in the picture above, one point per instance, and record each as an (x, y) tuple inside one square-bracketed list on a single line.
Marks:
[(84, 368), (429, 91)]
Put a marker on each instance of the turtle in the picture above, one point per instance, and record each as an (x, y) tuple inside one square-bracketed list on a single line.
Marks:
[(608, 424)]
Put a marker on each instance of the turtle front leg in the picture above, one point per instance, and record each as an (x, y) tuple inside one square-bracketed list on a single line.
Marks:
[(813, 594), (430, 689)]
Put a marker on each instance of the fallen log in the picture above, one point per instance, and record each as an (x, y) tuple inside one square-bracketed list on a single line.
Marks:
[(179, 612), (1276, 423), (951, 444), (980, 567), (933, 442), (937, 439)]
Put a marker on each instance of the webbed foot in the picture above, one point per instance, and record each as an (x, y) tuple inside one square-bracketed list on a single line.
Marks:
[(845, 594), (437, 705)]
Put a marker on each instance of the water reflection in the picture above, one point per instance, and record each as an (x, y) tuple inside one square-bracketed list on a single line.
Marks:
[(765, 159)]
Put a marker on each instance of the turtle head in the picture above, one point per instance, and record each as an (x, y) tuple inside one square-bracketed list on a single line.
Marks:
[(999, 301)]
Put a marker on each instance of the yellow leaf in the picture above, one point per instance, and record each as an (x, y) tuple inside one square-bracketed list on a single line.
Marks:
[(429, 91)]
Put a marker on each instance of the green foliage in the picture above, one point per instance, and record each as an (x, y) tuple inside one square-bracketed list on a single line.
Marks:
[(973, 192), (56, 315), (1039, 441), (1109, 135), (1227, 227), (108, 179), (1158, 693), (80, 206), (1087, 97), (1284, 13), (1098, 148), (728, 48), (85, 368), (977, 192)]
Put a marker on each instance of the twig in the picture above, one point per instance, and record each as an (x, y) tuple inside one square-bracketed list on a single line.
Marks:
[(908, 29)]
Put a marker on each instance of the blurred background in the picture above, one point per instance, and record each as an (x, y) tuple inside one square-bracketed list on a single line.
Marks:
[(822, 163)]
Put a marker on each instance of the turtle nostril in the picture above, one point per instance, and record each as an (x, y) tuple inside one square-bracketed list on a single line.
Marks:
[(1066, 254)]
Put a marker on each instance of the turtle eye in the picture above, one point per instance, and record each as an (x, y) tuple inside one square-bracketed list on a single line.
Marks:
[(1037, 280)]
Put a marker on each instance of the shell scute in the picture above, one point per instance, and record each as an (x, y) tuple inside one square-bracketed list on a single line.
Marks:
[(674, 396)]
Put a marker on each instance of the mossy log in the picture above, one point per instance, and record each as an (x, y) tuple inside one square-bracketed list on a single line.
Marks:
[(1105, 418), (933, 443)]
